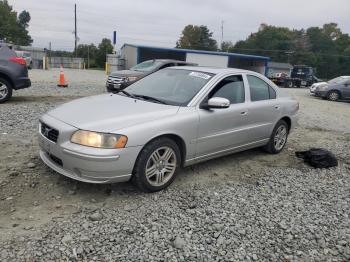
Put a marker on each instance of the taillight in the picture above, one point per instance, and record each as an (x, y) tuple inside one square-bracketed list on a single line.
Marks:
[(18, 60)]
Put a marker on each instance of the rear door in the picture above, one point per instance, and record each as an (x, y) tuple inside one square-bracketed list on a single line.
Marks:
[(264, 109), (222, 129)]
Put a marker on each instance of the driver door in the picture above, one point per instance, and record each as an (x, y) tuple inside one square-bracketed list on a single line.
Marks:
[(222, 129)]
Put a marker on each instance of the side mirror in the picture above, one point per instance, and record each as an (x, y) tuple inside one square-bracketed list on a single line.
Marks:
[(216, 102)]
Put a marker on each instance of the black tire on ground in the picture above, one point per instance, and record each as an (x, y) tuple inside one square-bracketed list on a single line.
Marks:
[(5, 90), (271, 147), (290, 84), (139, 173), (333, 96)]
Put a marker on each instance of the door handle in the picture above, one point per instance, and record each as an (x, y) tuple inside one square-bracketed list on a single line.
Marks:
[(277, 107), (243, 113)]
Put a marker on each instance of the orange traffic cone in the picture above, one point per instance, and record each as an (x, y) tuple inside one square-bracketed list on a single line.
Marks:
[(62, 82)]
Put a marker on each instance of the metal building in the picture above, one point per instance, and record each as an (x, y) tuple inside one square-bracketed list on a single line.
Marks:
[(134, 54)]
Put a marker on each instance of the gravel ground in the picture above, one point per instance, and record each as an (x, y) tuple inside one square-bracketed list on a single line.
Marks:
[(245, 207)]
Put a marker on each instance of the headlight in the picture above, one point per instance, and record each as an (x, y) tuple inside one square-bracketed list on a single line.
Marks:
[(99, 140), (322, 88), (131, 78)]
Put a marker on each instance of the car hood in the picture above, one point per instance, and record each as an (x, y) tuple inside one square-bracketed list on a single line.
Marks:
[(110, 112), (127, 73), (320, 84)]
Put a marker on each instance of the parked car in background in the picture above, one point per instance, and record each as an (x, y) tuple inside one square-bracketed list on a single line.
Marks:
[(174, 117), (13, 73), (121, 79), (314, 86), (335, 89), (27, 57)]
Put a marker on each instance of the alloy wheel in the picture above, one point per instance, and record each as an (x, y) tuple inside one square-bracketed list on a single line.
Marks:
[(161, 166), (280, 137), (334, 96), (3, 90)]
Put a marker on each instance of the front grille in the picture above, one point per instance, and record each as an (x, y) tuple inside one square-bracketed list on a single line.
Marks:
[(56, 160), (115, 80), (49, 132)]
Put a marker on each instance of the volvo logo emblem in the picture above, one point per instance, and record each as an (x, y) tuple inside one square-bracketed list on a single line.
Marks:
[(46, 131)]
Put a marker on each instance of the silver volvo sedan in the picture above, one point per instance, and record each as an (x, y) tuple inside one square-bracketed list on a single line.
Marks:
[(175, 117)]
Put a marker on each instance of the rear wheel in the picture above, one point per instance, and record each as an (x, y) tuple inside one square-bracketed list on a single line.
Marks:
[(5, 90), (157, 164), (278, 138), (333, 96)]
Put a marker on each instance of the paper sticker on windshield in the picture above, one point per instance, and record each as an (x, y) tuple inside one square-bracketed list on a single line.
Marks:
[(200, 75)]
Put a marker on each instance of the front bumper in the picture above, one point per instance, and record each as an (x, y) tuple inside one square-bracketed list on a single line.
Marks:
[(91, 165), (112, 87), (321, 93)]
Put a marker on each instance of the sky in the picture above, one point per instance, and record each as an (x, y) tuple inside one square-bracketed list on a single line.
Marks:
[(160, 22)]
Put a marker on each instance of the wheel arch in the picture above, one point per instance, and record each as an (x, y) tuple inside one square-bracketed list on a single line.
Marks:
[(176, 138), (7, 78), (334, 90), (288, 120)]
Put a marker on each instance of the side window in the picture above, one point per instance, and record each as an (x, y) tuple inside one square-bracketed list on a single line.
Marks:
[(259, 89), (231, 88)]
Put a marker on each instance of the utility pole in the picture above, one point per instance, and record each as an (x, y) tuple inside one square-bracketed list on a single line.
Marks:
[(222, 32), (289, 54), (75, 29), (50, 53), (88, 64)]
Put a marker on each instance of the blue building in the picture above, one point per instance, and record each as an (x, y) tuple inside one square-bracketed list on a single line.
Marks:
[(134, 54)]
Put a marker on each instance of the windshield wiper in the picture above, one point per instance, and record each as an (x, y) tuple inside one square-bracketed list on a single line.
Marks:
[(150, 98), (126, 93)]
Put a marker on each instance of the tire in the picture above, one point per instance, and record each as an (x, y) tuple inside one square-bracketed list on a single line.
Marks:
[(333, 96), (275, 147), (153, 158), (5, 90), (289, 84)]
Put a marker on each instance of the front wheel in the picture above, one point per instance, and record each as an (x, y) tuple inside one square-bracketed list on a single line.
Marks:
[(5, 90), (157, 164), (333, 96), (278, 138)]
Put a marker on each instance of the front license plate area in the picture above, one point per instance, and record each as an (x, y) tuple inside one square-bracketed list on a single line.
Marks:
[(45, 145)]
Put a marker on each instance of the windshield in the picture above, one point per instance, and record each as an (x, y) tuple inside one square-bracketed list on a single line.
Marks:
[(171, 86), (338, 80), (147, 66)]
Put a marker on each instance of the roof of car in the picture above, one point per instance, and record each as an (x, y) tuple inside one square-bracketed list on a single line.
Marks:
[(212, 70), (170, 61)]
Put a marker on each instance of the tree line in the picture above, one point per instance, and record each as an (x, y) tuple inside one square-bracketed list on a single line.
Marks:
[(13, 26), (325, 48), (94, 56)]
